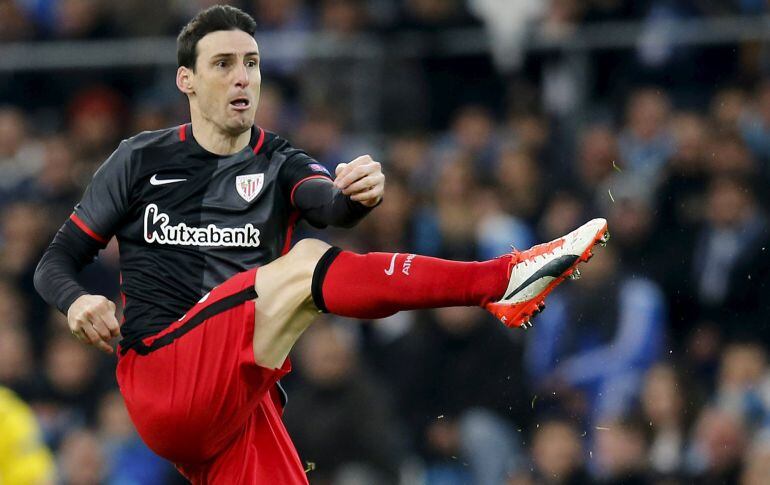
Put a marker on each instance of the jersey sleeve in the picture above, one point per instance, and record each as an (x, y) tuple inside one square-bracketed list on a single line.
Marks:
[(323, 205), (105, 201), (298, 168)]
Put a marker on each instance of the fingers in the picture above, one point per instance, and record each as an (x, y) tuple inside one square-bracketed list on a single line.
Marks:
[(368, 197), (362, 180), (112, 325), (92, 321), (355, 170), (94, 339), (366, 183), (109, 321), (349, 174), (103, 320), (101, 329), (105, 347), (107, 326)]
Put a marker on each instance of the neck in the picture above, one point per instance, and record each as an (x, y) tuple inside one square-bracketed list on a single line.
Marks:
[(213, 139)]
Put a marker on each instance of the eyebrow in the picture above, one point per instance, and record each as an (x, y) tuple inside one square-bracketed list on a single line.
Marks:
[(232, 54)]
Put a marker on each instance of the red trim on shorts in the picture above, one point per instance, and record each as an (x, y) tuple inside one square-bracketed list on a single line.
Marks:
[(84, 227), (291, 196), (183, 132), (293, 218), (183, 320), (233, 292), (260, 140)]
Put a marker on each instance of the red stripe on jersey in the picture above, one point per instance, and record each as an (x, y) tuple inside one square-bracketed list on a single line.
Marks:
[(293, 218), (293, 189), (183, 132), (122, 299), (84, 227), (260, 140)]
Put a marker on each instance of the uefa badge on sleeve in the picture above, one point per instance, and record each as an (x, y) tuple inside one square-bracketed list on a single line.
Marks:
[(317, 167), (248, 186)]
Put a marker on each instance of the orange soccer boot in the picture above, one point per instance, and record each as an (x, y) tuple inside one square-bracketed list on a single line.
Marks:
[(534, 273)]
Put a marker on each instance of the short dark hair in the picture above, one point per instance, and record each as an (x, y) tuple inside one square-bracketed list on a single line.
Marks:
[(212, 19)]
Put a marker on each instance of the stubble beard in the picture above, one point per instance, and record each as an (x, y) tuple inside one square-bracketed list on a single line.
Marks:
[(239, 128)]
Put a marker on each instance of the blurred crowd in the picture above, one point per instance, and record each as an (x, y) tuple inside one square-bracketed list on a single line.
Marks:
[(95, 19), (653, 368)]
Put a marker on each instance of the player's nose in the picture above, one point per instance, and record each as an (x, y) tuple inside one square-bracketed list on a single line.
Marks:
[(241, 76)]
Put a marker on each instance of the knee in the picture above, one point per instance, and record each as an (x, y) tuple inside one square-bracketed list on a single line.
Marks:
[(289, 278), (301, 260), (309, 248), (308, 251)]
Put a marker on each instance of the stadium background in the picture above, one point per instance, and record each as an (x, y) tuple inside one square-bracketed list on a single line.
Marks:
[(497, 122)]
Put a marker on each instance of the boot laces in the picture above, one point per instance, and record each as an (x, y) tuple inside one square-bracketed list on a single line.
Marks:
[(536, 254)]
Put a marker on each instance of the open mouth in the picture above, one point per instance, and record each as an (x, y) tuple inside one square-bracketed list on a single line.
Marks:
[(240, 104)]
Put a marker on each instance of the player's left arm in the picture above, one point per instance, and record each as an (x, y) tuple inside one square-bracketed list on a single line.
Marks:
[(342, 202)]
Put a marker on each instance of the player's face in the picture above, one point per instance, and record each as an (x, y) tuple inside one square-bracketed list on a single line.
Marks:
[(227, 80)]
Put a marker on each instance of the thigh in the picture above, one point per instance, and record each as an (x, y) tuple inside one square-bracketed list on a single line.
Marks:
[(191, 388), (284, 307), (262, 453)]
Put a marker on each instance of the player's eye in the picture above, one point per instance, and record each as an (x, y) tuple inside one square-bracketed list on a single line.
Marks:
[(221, 64), (251, 63)]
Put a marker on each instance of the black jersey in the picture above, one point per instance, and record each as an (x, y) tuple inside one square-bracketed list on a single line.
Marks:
[(187, 219)]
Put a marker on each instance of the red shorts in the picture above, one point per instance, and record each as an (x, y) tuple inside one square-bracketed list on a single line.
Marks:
[(198, 398)]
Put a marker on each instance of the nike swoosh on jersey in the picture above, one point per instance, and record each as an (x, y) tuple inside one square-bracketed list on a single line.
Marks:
[(554, 269), (389, 271), (155, 181)]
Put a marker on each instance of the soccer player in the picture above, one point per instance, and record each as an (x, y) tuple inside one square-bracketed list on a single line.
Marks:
[(214, 296)]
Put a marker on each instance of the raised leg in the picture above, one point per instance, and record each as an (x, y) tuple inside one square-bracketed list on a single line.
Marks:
[(284, 305), (375, 285)]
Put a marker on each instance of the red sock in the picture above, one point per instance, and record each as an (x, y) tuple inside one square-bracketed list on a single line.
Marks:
[(376, 285)]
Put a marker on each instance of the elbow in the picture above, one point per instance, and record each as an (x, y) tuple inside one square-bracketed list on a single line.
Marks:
[(40, 275), (38, 280), (44, 274)]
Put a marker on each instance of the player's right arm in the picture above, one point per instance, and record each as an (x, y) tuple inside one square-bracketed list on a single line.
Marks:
[(91, 318)]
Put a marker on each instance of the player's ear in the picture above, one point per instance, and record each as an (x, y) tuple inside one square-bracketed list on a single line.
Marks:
[(184, 80)]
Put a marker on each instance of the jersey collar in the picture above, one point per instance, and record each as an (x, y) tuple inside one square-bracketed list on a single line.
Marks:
[(256, 141)]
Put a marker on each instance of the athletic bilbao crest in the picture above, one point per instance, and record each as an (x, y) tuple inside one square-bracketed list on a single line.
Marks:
[(248, 186)]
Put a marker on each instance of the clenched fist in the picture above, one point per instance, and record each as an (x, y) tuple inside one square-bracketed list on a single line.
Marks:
[(91, 319), (362, 180)]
